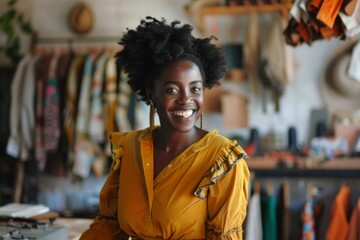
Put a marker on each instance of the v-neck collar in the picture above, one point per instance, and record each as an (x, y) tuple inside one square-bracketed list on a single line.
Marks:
[(147, 156)]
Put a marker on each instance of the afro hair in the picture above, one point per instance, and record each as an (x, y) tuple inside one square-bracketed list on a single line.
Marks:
[(154, 43)]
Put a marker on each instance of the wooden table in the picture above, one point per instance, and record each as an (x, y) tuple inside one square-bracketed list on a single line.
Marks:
[(74, 226)]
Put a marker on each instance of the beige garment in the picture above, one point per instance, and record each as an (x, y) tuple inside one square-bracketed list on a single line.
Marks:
[(14, 142), (354, 70), (252, 52), (27, 109), (277, 54)]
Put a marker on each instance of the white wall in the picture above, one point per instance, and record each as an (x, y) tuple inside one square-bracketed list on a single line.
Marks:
[(112, 17)]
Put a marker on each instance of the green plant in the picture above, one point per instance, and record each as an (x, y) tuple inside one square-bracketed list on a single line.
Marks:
[(10, 22)]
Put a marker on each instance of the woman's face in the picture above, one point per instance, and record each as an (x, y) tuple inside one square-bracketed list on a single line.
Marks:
[(178, 95)]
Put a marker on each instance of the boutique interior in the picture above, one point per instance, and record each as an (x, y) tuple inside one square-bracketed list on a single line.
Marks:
[(290, 97)]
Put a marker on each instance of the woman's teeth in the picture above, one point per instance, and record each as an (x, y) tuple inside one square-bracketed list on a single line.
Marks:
[(184, 114)]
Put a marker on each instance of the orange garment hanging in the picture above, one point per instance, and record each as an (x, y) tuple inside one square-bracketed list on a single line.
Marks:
[(354, 229), (329, 11), (339, 225)]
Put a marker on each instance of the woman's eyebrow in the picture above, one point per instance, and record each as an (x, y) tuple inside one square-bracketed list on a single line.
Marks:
[(176, 83)]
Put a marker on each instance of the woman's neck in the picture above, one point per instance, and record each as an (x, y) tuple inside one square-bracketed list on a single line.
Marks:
[(174, 141)]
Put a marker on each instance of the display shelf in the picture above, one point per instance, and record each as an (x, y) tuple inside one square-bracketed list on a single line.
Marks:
[(306, 167), (282, 8), (306, 173), (261, 7)]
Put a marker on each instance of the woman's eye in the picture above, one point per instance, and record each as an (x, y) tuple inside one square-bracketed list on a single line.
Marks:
[(172, 90), (196, 89)]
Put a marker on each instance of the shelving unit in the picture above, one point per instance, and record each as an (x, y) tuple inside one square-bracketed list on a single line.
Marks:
[(342, 167), (282, 8), (310, 178)]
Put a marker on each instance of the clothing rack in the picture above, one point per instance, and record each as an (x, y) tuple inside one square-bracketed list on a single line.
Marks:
[(78, 39), (71, 40)]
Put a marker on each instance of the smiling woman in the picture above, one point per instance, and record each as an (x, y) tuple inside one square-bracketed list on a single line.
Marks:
[(178, 96), (175, 180)]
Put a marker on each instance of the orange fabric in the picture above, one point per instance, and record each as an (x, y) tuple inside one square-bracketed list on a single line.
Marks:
[(314, 24), (328, 12), (337, 28), (339, 225), (303, 31), (201, 194), (354, 229), (328, 33), (314, 5)]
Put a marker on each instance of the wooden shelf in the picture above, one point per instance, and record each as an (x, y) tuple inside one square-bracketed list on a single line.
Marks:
[(303, 163), (341, 167), (283, 8), (220, 10)]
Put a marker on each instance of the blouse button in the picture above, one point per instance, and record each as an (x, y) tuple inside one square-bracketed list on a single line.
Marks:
[(170, 165), (148, 165)]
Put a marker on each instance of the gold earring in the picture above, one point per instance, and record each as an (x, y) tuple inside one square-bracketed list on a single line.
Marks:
[(152, 116), (201, 121)]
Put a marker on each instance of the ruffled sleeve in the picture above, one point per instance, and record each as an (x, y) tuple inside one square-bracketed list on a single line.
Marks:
[(225, 188), (105, 225)]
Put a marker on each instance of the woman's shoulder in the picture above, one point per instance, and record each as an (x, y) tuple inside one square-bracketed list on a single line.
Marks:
[(227, 155), (116, 137), (224, 151), (223, 143)]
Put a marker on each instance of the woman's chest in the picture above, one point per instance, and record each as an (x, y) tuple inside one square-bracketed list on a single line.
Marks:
[(169, 207)]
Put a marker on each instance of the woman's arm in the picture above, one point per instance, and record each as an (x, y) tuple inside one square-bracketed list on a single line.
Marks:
[(106, 225), (227, 204)]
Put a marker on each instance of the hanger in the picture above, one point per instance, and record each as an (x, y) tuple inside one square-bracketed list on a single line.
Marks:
[(309, 190), (270, 187), (257, 186)]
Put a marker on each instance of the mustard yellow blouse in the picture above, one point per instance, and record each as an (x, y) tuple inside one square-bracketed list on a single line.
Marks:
[(201, 194)]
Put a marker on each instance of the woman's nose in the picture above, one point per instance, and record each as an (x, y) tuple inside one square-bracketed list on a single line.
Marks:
[(185, 98)]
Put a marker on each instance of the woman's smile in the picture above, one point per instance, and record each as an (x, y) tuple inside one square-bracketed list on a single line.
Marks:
[(183, 114)]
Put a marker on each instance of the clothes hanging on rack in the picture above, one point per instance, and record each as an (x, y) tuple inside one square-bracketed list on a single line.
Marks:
[(40, 152), (110, 102), (71, 101), (308, 230), (314, 20), (14, 142), (55, 157), (268, 213), (76, 98), (302, 218), (254, 224), (339, 224), (283, 212), (96, 122), (85, 149), (27, 115)]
